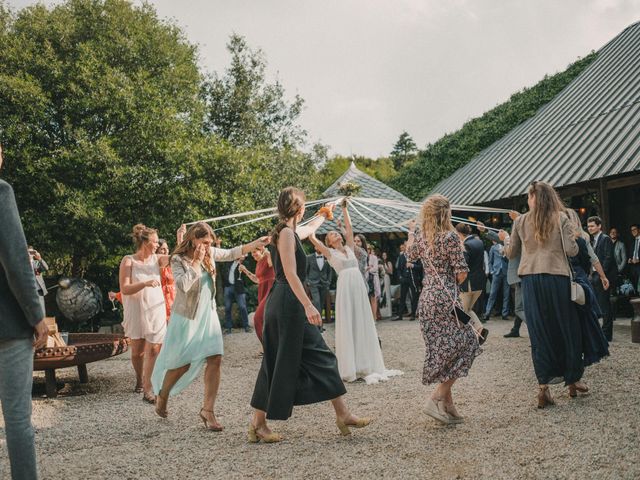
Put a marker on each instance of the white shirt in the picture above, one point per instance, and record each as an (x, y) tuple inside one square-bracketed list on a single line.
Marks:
[(232, 270), (320, 261), (596, 237)]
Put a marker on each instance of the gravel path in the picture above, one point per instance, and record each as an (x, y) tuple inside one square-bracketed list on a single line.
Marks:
[(104, 430)]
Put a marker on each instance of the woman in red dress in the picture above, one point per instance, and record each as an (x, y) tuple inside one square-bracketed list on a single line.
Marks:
[(166, 276), (264, 277)]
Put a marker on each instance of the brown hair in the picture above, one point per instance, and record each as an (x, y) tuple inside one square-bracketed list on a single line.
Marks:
[(463, 228), (187, 248), (141, 234), (290, 201), (326, 237), (435, 217), (363, 240), (547, 208)]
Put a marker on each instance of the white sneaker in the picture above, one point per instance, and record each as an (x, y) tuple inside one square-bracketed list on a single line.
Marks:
[(435, 409)]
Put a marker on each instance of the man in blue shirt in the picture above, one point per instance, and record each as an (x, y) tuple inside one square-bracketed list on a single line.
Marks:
[(498, 265)]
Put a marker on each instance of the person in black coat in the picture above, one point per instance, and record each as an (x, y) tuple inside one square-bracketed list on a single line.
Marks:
[(319, 274), (21, 315), (410, 277), (603, 247), (471, 289), (234, 290)]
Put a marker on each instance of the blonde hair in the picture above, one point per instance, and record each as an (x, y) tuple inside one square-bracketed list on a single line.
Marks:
[(548, 207), (435, 217), (187, 247), (290, 201), (326, 238), (141, 233), (575, 222)]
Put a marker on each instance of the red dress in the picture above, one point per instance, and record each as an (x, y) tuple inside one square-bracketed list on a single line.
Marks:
[(266, 277), (168, 288)]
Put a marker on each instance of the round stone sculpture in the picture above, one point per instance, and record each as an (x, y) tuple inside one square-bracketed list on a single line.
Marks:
[(78, 299)]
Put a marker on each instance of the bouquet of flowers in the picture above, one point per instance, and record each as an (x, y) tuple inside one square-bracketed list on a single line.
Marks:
[(326, 212), (349, 189)]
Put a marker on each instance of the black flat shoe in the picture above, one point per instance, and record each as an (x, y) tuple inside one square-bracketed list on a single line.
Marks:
[(484, 333), (512, 334)]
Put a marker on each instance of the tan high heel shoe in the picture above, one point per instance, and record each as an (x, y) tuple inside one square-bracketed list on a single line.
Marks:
[(214, 427), (254, 437), (544, 397), (436, 410), (344, 427), (574, 388)]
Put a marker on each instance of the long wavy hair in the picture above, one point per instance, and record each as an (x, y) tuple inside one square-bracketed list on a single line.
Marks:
[(290, 201), (546, 211), (187, 247), (435, 217)]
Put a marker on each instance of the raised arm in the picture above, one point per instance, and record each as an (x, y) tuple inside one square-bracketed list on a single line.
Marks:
[(306, 230), (348, 228), (287, 251), (513, 243), (322, 248), (231, 254)]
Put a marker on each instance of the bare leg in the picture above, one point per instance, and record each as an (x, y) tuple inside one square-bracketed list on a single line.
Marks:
[(259, 422), (372, 301), (443, 392), (342, 411), (137, 359), (211, 384), (151, 351), (170, 379)]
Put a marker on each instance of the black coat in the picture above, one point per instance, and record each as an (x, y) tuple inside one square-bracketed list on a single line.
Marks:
[(604, 251), (474, 256), (237, 278)]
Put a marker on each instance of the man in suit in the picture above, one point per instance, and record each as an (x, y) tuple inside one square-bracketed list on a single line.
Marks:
[(319, 274), (21, 316), (603, 246), (498, 265), (471, 289), (619, 250), (634, 256), (233, 284), (410, 277)]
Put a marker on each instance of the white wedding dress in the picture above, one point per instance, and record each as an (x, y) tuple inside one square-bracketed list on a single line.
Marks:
[(357, 348)]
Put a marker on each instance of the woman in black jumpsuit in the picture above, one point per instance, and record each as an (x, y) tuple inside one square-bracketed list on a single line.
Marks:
[(297, 367)]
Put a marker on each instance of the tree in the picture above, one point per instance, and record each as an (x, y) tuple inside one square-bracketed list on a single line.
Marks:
[(247, 111), (403, 151)]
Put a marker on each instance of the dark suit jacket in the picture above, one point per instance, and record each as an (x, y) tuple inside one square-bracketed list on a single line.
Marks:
[(474, 256), (315, 276), (238, 279), (20, 308), (401, 267), (604, 251)]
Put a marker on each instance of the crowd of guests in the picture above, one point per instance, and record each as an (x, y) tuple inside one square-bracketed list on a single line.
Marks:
[(562, 278)]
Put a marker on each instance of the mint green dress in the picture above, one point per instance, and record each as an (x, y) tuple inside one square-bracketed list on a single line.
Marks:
[(190, 342)]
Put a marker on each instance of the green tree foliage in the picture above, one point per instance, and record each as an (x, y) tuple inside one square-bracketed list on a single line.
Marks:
[(440, 159), (102, 121), (247, 111), (404, 151), (381, 169)]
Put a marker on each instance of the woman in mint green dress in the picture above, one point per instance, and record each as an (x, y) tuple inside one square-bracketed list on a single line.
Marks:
[(194, 335)]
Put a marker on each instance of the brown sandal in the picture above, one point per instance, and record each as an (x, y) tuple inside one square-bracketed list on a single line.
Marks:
[(544, 397), (214, 427)]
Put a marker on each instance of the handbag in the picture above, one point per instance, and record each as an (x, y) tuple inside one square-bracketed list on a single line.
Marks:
[(577, 292), (458, 313)]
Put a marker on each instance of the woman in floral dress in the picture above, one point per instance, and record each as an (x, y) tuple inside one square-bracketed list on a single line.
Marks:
[(451, 346)]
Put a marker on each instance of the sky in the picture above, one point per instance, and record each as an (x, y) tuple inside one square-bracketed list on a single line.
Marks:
[(370, 69)]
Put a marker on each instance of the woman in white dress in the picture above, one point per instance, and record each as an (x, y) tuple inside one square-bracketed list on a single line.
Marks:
[(385, 301), (357, 348), (145, 317)]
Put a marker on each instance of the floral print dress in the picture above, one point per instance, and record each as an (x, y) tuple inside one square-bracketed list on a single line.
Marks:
[(451, 347)]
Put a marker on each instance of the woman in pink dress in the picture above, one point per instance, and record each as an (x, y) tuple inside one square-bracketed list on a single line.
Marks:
[(264, 277), (166, 278)]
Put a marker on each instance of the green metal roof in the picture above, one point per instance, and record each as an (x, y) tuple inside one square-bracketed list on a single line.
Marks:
[(371, 188), (590, 130)]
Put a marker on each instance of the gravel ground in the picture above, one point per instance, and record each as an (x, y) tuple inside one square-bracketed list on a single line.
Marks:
[(104, 430)]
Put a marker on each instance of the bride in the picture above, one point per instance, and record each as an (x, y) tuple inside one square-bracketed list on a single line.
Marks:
[(357, 347)]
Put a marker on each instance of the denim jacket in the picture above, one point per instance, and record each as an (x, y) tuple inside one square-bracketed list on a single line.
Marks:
[(187, 280)]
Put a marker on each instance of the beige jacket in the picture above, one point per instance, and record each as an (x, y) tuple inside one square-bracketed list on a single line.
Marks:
[(547, 257), (187, 280)]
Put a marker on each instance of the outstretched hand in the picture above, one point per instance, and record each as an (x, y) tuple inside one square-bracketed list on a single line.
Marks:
[(513, 214)]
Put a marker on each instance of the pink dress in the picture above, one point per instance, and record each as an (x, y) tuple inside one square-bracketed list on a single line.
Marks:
[(266, 276)]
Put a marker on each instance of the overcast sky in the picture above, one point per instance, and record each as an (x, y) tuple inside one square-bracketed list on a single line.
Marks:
[(369, 69)]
